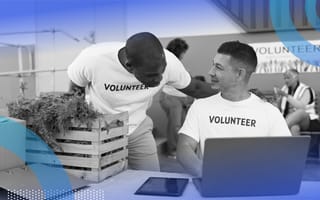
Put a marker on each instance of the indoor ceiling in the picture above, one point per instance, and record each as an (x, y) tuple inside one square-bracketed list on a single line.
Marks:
[(254, 15)]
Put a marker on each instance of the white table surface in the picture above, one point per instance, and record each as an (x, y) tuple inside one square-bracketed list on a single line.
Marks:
[(124, 185)]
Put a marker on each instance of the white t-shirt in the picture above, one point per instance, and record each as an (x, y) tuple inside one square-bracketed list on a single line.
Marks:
[(217, 117), (112, 89), (173, 92)]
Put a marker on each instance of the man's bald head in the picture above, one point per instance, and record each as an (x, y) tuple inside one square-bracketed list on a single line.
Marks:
[(145, 58), (144, 48)]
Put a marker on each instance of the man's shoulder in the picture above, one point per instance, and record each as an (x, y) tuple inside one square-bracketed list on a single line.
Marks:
[(306, 86), (104, 48), (208, 100), (171, 58), (269, 108)]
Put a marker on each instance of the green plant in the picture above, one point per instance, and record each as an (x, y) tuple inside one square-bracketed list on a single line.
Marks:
[(50, 114)]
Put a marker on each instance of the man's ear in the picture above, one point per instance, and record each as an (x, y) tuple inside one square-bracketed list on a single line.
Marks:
[(129, 67), (242, 73)]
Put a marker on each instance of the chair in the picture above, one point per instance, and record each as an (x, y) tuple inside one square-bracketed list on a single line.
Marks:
[(315, 135)]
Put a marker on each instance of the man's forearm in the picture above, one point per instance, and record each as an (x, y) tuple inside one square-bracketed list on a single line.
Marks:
[(205, 90), (199, 89), (295, 103), (189, 161)]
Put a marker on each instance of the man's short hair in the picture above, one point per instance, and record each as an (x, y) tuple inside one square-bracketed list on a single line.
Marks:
[(240, 52), (177, 46), (144, 46), (294, 71)]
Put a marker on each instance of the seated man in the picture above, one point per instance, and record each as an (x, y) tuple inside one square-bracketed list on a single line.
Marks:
[(297, 104), (234, 112)]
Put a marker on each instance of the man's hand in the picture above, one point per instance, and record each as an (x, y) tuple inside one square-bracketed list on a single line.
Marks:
[(280, 93), (76, 90)]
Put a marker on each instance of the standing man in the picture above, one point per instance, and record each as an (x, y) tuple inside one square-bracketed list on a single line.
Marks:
[(234, 112), (124, 77)]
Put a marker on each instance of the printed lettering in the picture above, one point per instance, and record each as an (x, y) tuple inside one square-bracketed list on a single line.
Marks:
[(232, 120), (253, 123), (106, 86), (211, 118), (117, 88)]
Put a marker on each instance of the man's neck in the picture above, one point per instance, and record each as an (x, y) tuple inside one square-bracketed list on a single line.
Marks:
[(293, 88), (235, 94)]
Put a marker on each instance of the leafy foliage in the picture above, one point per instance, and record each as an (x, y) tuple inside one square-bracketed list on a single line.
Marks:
[(50, 114)]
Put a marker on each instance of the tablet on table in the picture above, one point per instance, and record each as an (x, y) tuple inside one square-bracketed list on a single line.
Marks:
[(161, 186)]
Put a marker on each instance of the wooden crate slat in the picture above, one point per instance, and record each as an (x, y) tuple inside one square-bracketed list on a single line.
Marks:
[(79, 135), (98, 176), (112, 170), (63, 160), (80, 148), (114, 132), (107, 147), (67, 148), (114, 157), (94, 162)]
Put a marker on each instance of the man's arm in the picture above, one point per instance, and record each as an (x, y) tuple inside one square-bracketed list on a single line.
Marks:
[(299, 104), (186, 155), (199, 89), (76, 90)]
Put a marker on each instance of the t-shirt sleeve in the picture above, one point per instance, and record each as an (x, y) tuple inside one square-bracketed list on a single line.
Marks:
[(278, 124), (80, 70), (190, 126), (177, 76)]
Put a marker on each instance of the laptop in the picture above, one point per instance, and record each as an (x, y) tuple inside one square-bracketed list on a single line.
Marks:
[(252, 166)]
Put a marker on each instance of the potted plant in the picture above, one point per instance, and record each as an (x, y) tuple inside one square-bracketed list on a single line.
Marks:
[(52, 113)]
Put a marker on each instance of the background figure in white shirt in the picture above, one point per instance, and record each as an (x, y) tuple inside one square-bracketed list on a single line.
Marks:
[(124, 77), (173, 102), (234, 112)]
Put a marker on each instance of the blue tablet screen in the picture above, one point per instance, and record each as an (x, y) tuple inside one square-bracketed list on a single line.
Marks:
[(161, 186)]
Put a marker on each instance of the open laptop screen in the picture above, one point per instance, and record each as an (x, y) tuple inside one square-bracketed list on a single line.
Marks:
[(253, 166)]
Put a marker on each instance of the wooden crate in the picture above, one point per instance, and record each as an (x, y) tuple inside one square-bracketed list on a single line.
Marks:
[(90, 154)]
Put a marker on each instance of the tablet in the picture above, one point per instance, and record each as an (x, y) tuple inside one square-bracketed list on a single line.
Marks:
[(161, 186)]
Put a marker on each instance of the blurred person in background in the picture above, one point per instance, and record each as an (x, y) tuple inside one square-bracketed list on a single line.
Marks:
[(173, 102), (297, 104)]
